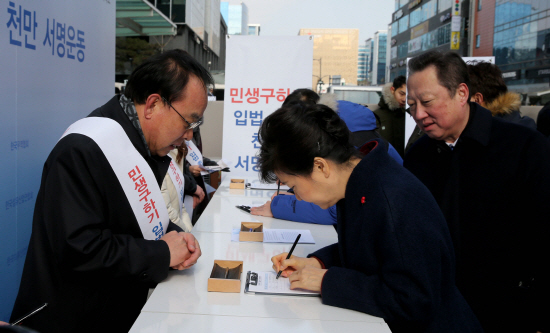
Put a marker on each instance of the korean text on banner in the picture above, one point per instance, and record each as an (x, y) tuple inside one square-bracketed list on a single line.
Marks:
[(260, 73)]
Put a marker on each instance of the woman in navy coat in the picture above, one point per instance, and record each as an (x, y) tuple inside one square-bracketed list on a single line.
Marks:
[(394, 258)]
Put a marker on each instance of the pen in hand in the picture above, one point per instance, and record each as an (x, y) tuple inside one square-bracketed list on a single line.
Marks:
[(278, 186), (289, 254)]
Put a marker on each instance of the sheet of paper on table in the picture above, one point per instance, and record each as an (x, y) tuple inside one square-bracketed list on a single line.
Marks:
[(280, 236), (266, 283), (213, 168)]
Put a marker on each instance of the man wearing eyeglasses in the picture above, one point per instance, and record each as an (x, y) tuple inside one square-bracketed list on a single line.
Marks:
[(101, 236)]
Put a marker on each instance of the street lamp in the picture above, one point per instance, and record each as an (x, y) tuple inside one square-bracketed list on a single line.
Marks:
[(320, 66), (320, 82)]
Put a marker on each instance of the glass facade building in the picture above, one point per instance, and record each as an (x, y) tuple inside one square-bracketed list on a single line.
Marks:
[(362, 62), (237, 19), (421, 25), (200, 30), (380, 41), (254, 29), (224, 10), (364, 71), (176, 13), (521, 43), (370, 49), (382, 47)]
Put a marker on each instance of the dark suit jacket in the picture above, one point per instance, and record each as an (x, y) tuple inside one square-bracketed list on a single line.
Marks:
[(87, 257), (494, 190), (394, 257)]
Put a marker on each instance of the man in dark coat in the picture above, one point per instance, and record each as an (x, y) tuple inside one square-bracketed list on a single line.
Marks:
[(543, 120), (488, 89), (490, 178), (390, 117), (88, 256)]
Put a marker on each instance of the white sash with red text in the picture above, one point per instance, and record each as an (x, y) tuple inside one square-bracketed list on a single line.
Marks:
[(194, 156), (179, 183), (133, 173)]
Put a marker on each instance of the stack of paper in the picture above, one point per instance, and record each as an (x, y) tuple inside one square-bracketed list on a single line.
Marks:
[(280, 236), (257, 185), (209, 169)]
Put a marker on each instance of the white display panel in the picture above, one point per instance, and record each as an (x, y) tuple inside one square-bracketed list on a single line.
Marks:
[(57, 62), (260, 73)]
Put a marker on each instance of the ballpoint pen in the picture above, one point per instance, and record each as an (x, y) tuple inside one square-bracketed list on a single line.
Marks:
[(244, 208), (30, 314), (289, 253)]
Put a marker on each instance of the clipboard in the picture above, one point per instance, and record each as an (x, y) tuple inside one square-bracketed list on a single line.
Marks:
[(256, 284)]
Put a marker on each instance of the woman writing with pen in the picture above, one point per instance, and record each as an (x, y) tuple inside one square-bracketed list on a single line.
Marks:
[(394, 258)]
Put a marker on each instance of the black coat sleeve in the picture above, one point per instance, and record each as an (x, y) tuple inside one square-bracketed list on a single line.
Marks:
[(82, 221), (535, 180), (394, 253), (190, 182), (329, 255)]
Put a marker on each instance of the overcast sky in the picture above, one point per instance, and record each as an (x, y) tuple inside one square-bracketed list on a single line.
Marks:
[(287, 17)]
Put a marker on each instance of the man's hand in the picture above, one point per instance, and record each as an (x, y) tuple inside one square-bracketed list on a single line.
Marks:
[(263, 210), (199, 193), (198, 197), (194, 248), (177, 244)]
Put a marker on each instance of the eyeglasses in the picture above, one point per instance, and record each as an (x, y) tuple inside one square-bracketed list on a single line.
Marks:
[(190, 125)]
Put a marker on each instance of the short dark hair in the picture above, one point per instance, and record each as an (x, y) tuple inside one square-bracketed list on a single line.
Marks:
[(302, 95), (166, 74), (486, 78), (294, 135), (450, 68), (399, 81)]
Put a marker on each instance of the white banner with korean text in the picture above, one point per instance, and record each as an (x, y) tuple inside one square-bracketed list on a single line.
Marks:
[(260, 72)]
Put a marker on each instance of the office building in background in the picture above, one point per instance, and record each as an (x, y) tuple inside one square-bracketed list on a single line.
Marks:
[(200, 30), (421, 25), (235, 14), (334, 55), (518, 35), (379, 57), (362, 64), (254, 29)]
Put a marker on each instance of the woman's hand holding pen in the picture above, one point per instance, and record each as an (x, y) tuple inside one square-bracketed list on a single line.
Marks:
[(304, 273), (289, 266), (309, 278)]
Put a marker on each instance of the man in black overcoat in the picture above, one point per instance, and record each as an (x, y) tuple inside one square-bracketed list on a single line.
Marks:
[(89, 258), (491, 179)]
